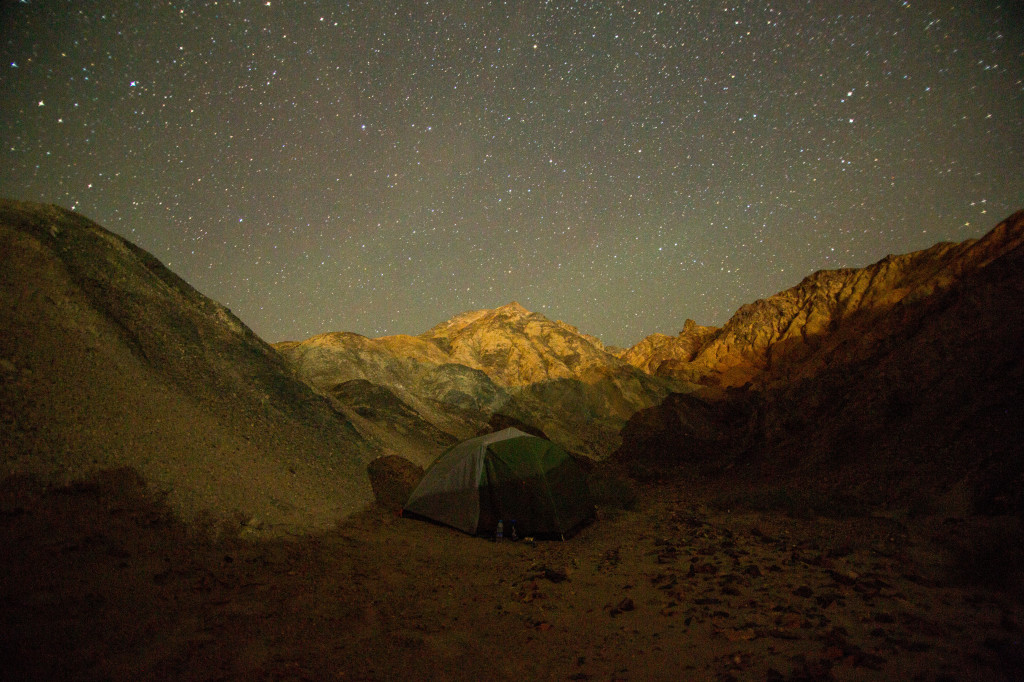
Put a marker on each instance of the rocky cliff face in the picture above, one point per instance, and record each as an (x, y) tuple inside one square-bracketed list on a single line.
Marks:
[(902, 379), (460, 373), (109, 360)]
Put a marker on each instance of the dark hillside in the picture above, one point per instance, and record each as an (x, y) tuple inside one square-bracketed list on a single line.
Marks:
[(109, 360), (900, 384)]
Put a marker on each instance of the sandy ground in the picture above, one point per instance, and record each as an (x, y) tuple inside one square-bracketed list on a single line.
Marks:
[(98, 582)]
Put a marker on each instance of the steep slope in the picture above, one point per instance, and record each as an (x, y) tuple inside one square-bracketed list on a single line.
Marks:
[(548, 364), (415, 402), (902, 380), (932, 398), (109, 360), (485, 362)]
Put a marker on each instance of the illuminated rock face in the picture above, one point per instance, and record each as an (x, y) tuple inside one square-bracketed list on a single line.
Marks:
[(506, 361), (832, 316), (885, 333), (109, 360)]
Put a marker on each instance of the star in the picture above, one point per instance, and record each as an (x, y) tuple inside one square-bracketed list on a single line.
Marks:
[(621, 167)]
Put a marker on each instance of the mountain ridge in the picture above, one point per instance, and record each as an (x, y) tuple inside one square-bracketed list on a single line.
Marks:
[(904, 388), (142, 350), (774, 339), (550, 375)]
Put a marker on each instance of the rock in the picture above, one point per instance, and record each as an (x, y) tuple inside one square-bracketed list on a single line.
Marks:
[(792, 333), (666, 355), (688, 429), (623, 606), (753, 571), (393, 479), (844, 578), (553, 575)]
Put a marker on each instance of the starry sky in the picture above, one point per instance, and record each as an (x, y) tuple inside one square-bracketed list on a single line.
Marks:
[(380, 166)]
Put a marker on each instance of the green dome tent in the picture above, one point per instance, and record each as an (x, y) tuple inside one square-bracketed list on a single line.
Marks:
[(509, 476)]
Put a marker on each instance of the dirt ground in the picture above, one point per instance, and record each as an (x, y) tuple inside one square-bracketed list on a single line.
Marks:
[(99, 582)]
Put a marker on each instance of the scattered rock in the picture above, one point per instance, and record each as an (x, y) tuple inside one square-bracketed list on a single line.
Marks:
[(753, 571), (623, 606), (553, 575)]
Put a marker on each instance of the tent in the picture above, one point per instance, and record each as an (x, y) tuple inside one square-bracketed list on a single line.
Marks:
[(509, 476)]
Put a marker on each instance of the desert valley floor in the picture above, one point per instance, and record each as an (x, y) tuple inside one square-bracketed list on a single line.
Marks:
[(100, 582)]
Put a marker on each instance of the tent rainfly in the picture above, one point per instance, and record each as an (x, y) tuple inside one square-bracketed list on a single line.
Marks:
[(509, 476)]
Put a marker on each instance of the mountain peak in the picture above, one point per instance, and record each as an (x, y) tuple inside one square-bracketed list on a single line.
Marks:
[(508, 312), (513, 308)]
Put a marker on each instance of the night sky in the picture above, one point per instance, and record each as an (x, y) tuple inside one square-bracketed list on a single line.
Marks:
[(380, 166)]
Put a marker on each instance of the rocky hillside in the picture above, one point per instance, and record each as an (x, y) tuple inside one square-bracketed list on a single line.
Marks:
[(902, 380), (831, 315), (460, 373), (401, 392), (905, 374), (108, 360)]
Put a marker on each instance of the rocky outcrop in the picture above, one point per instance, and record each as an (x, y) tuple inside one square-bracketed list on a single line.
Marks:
[(393, 479), (516, 347), (510, 361), (931, 396), (109, 360), (690, 431), (665, 355)]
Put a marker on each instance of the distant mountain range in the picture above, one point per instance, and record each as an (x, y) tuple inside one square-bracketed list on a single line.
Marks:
[(874, 381), (456, 377)]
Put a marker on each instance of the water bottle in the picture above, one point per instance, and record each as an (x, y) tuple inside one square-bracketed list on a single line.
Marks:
[(499, 532)]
